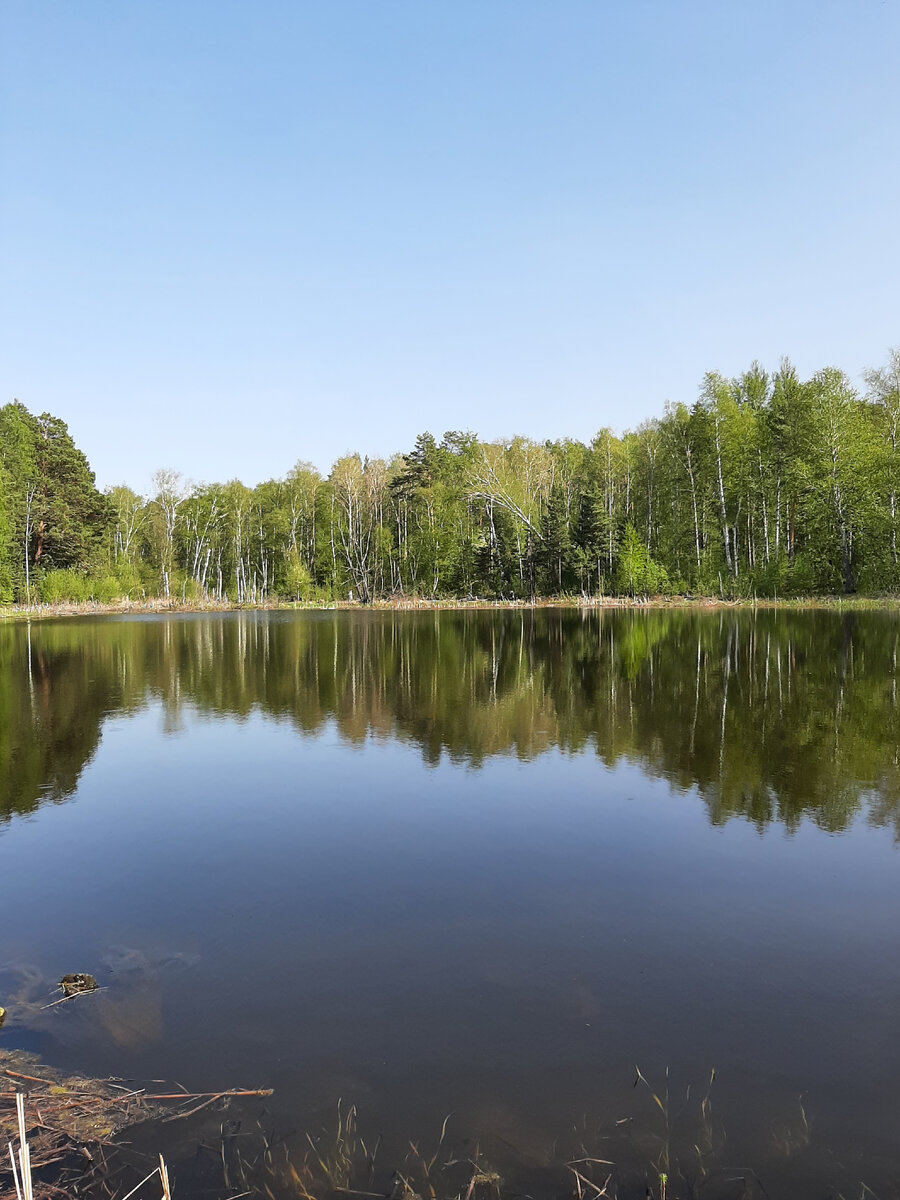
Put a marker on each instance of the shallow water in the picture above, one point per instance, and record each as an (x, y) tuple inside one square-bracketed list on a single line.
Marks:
[(479, 862)]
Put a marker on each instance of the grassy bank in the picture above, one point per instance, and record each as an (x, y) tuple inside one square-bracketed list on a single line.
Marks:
[(40, 612)]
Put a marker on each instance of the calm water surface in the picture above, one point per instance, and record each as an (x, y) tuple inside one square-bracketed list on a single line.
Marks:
[(479, 862)]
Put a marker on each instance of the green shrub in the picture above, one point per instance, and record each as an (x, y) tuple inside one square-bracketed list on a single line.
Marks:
[(297, 577), (636, 572), (62, 585), (106, 590), (803, 578), (130, 582)]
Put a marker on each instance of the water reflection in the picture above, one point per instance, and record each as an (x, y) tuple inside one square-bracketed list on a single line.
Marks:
[(273, 889), (771, 716)]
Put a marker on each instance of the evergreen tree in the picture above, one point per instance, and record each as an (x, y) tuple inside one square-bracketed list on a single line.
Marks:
[(55, 517)]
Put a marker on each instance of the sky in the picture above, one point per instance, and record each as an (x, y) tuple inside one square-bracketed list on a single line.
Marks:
[(235, 235)]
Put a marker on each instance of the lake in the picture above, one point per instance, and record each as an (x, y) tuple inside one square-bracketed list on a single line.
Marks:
[(474, 862)]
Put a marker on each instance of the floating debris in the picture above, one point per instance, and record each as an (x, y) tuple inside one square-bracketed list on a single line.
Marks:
[(67, 1118), (75, 985)]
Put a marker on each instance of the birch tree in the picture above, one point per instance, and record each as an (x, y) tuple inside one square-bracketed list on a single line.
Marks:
[(884, 394), (169, 495)]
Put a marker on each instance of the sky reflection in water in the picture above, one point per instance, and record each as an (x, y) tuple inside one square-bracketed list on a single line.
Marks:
[(481, 862)]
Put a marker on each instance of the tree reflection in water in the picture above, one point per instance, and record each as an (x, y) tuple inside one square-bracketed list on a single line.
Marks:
[(770, 715)]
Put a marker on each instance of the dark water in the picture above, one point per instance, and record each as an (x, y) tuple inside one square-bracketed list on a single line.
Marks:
[(479, 862)]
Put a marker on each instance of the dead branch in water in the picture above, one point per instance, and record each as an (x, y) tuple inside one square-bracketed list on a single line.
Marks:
[(63, 1122)]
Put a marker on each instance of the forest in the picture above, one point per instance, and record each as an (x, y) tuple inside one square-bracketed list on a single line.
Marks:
[(768, 485)]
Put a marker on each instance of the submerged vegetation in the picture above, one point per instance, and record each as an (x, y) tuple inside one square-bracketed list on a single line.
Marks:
[(767, 486), (64, 1138), (66, 1128)]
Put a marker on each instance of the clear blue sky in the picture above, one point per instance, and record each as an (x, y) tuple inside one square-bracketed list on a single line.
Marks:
[(238, 234)]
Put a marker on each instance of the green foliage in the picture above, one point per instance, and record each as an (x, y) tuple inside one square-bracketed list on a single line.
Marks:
[(132, 579), (767, 485), (298, 579), (106, 589), (636, 572), (63, 586), (53, 516), (67, 585)]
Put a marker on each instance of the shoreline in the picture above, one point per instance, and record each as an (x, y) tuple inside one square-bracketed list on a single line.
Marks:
[(159, 606)]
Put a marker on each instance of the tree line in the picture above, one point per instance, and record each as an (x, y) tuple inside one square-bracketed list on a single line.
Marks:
[(767, 485)]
